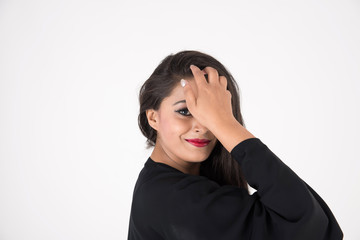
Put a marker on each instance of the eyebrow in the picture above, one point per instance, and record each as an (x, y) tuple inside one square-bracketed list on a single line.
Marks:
[(181, 101)]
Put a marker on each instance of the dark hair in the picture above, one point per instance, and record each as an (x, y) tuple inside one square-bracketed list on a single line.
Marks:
[(220, 166)]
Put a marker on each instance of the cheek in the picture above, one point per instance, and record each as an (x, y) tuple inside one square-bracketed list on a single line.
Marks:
[(172, 128)]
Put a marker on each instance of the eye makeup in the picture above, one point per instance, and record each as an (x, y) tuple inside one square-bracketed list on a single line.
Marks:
[(184, 112)]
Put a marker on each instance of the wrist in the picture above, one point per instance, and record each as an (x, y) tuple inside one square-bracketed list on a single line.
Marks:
[(230, 133)]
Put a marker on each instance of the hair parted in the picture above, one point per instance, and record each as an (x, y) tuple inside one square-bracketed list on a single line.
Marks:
[(220, 166)]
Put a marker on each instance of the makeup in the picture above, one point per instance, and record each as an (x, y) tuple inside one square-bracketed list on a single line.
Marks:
[(198, 142)]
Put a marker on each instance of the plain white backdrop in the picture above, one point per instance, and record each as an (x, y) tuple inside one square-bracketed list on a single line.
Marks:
[(70, 72)]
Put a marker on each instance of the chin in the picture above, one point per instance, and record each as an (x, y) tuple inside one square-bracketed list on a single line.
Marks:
[(196, 158)]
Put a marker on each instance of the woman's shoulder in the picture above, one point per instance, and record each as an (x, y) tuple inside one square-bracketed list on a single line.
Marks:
[(161, 178), (158, 184)]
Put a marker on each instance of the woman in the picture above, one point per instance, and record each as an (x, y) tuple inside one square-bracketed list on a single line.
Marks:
[(194, 184)]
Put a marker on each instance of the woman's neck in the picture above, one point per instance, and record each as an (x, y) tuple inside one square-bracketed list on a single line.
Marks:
[(160, 155)]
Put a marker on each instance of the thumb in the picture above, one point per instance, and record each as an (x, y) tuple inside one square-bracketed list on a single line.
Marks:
[(189, 94)]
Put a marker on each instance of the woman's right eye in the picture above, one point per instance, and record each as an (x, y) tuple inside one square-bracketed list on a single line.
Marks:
[(184, 112)]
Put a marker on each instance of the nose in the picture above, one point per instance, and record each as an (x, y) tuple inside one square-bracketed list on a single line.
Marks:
[(197, 127)]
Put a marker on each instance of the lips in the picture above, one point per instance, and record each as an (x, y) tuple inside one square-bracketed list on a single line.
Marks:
[(198, 142)]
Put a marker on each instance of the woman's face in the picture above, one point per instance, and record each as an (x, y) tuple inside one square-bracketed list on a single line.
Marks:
[(181, 139)]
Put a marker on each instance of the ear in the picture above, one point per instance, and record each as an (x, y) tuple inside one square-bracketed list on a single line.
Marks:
[(153, 118)]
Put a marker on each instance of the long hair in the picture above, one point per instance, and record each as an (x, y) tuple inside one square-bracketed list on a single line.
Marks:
[(220, 166)]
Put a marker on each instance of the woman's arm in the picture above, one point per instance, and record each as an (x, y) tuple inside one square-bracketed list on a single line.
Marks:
[(284, 207), (294, 209)]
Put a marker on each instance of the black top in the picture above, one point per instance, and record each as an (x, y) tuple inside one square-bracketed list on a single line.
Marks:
[(169, 204)]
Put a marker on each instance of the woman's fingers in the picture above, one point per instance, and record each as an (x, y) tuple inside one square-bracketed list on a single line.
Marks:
[(223, 81), (199, 77), (208, 102), (213, 74)]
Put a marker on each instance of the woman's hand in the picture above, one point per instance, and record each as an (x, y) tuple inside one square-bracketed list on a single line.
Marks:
[(210, 103)]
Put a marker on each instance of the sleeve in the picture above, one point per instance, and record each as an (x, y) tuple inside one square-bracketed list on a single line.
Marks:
[(284, 206)]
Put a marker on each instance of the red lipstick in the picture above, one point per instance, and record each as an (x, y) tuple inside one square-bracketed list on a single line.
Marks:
[(198, 142)]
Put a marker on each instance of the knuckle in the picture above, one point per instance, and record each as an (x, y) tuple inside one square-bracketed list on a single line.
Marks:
[(211, 70), (223, 80), (228, 93)]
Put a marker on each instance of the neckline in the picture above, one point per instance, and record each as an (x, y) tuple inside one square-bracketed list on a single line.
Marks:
[(150, 161)]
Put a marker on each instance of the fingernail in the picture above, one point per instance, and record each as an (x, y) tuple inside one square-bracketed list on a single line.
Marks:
[(183, 82), (191, 66)]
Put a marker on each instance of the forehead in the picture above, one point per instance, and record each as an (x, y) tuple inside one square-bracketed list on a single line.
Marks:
[(177, 93)]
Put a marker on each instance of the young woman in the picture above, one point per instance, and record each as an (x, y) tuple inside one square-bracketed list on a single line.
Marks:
[(194, 184)]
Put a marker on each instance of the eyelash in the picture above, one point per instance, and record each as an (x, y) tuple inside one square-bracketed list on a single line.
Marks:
[(183, 109)]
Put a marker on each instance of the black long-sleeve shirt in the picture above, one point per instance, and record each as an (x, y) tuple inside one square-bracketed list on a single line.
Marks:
[(169, 204)]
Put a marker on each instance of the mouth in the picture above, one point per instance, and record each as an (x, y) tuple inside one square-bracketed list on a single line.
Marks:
[(198, 142)]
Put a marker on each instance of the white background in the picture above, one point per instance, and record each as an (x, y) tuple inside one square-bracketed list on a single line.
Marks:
[(70, 72)]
